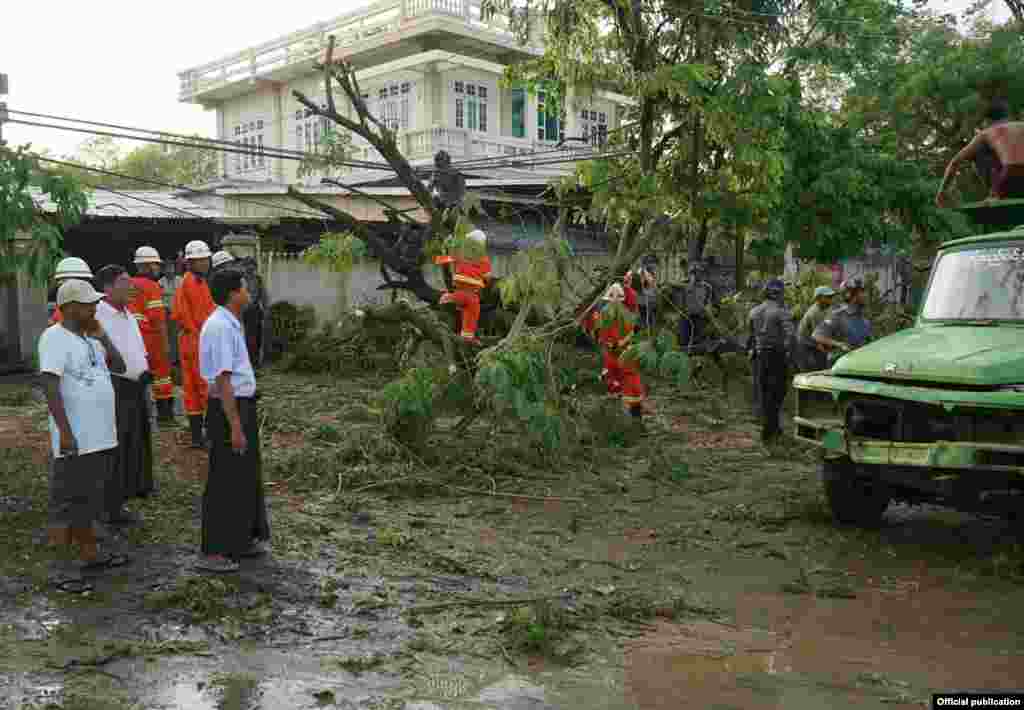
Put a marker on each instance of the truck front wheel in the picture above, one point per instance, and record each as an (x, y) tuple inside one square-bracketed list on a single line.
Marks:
[(855, 498)]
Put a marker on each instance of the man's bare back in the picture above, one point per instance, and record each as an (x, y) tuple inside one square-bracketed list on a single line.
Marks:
[(1006, 140)]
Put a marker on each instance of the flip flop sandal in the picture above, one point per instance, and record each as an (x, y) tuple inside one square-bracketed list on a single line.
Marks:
[(106, 562), (73, 586)]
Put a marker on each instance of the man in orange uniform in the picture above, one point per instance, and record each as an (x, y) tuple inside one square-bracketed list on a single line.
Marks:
[(615, 326), (70, 268), (472, 272), (193, 304), (147, 305)]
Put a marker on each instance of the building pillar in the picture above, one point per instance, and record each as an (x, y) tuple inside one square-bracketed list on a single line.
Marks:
[(572, 121), (242, 245), (280, 132)]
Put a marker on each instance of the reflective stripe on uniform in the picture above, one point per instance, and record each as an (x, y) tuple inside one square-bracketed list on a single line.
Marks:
[(469, 280)]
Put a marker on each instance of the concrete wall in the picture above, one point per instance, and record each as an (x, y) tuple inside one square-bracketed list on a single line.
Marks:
[(288, 278), (23, 318)]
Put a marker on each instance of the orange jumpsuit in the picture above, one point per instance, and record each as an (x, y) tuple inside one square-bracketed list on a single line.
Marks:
[(470, 279), (621, 376), (193, 304), (148, 308)]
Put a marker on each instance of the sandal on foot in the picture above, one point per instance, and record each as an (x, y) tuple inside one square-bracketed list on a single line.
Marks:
[(216, 564), (72, 585)]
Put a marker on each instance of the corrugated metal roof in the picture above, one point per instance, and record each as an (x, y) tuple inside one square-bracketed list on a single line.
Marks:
[(136, 204)]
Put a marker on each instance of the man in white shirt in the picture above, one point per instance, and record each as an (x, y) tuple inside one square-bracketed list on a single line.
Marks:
[(234, 511), (75, 361), (134, 474)]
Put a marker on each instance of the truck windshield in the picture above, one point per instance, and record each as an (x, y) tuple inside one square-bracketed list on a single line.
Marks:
[(985, 283)]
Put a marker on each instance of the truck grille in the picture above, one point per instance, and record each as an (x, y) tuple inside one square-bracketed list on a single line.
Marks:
[(894, 420)]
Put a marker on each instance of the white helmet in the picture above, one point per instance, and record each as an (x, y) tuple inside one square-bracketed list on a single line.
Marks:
[(221, 257), (72, 268), (615, 293), (197, 249), (478, 236), (147, 255)]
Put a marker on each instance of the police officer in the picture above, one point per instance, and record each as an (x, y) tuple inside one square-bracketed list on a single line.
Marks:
[(700, 295), (809, 356), (846, 327), (771, 327)]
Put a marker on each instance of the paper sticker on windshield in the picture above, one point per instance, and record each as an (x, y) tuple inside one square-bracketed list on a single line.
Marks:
[(998, 256)]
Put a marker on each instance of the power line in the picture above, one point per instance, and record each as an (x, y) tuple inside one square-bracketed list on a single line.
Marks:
[(270, 152), (215, 141)]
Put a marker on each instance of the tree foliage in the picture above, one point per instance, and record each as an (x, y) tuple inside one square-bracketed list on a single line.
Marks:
[(177, 165), (19, 172)]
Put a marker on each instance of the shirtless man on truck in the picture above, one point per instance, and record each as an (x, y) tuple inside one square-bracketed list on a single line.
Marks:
[(1004, 139)]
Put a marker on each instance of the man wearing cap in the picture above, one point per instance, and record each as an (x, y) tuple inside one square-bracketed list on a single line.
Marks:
[(771, 328), (148, 308), (472, 269), (810, 357), (192, 306), (76, 358), (845, 328), (234, 510), (134, 475), (70, 268), (220, 259)]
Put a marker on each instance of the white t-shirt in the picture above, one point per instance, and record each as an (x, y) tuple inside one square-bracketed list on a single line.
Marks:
[(124, 333), (81, 364)]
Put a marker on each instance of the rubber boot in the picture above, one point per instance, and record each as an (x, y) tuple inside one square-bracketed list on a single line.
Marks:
[(195, 423)]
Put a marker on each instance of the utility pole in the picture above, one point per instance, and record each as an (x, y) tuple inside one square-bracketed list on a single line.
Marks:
[(3, 105)]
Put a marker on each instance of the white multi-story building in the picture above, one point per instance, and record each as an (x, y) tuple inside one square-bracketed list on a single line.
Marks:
[(431, 69)]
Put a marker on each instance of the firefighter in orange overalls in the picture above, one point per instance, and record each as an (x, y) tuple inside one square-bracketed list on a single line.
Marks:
[(472, 272), (147, 305), (614, 326), (193, 304), (70, 268)]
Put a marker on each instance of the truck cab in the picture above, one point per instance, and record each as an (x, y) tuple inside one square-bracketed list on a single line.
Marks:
[(932, 413)]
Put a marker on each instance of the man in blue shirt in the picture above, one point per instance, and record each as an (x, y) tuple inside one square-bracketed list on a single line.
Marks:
[(234, 511)]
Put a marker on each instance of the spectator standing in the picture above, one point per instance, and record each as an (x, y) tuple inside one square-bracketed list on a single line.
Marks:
[(76, 357), (234, 511), (134, 475)]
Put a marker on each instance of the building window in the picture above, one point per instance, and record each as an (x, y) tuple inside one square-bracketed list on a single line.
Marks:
[(396, 106), (470, 106), (519, 113), (549, 124), (595, 126), (309, 130), (249, 140)]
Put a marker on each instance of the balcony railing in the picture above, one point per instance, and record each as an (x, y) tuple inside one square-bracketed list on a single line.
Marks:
[(351, 28), (460, 144)]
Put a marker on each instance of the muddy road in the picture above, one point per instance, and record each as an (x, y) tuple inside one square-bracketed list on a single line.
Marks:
[(690, 569)]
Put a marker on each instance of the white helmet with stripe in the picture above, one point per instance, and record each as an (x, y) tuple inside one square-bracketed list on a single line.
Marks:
[(72, 268), (478, 236), (197, 249), (221, 257), (147, 255)]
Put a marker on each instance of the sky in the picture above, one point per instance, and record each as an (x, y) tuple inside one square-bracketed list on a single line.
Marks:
[(116, 62)]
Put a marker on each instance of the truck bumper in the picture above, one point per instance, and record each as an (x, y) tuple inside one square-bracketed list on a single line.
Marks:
[(834, 441)]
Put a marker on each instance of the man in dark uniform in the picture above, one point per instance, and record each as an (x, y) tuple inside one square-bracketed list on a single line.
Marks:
[(846, 328), (771, 325), (700, 295)]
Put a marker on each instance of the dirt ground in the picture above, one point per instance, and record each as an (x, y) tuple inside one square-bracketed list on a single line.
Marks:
[(691, 569)]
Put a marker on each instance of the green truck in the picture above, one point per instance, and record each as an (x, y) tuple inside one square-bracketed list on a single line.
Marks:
[(932, 413)]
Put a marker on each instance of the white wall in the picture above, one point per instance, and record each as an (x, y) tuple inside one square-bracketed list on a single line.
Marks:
[(288, 278)]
